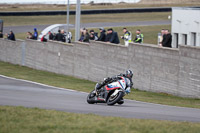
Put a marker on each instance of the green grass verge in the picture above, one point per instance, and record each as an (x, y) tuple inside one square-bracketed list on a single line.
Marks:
[(43, 7), (94, 18), (26, 120), (86, 86)]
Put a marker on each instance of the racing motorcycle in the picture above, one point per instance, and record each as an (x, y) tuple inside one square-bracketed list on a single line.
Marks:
[(111, 93)]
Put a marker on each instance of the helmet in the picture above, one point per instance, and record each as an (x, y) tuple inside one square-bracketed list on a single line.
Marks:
[(129, 74)]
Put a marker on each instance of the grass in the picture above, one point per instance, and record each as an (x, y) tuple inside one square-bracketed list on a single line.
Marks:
[(152, 3), (25, 120), (95, 18), (86, 86)]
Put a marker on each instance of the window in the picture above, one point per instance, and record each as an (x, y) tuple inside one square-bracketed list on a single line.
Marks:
[(176, 40), (184, 39), (193, 38)]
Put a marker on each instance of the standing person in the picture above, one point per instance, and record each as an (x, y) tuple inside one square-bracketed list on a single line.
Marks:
[(161, 37), (126, 37), (102, 35), (35, 34), (93, 35), (11, 36), (139, 37), (86, 36), (63, 39), (29, 35), (59, 36), (51, 36), (82, 34), (114, 36), (167, 39), (69, 37), (108, 36)]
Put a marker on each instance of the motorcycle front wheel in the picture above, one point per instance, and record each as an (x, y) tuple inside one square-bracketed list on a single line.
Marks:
[(112, 100), (91, 97)]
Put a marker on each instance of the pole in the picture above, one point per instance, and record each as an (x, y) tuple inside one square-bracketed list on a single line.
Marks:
[(77, 25), (68, 4)]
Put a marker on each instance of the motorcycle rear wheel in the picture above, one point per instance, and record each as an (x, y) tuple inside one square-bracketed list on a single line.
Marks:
[(114, 100)]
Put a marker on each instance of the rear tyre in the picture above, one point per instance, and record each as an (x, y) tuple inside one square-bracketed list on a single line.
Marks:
[(91, 97), (112, 100)]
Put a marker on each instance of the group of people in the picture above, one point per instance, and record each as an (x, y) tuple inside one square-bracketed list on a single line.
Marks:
[(110, 36), (165, 39), (10, 36), (33, 35), (61, 36)]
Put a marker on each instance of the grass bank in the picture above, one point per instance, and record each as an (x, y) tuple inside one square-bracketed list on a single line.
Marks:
[(86, 86), (25, 120), (142, 4), (94, 18)]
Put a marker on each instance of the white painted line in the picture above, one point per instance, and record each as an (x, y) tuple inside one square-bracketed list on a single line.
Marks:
[(58, 88)]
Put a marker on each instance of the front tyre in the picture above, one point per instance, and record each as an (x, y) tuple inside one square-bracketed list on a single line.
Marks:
[(91, 98), (112, 100)]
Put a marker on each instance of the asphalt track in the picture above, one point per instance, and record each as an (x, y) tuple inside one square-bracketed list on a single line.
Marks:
[(26, 28), (16, 92)]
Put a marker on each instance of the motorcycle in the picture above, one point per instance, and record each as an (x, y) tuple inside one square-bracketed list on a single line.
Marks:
[(111, 93)]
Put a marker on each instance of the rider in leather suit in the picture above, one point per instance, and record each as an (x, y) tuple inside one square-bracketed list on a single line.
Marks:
[(129, 75)]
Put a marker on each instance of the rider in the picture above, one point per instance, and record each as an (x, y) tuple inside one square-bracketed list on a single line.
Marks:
[(129, 75)]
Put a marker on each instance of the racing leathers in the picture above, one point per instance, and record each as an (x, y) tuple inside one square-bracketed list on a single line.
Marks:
[(109, 80)]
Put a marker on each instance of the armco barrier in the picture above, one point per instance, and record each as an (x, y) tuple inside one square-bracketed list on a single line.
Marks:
[(173, 71)]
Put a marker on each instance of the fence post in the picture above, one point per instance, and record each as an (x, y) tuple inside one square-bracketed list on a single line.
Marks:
[(23, 53)]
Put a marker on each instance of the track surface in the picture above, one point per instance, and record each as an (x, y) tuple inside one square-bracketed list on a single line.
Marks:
[(26, 28), (22, 93)]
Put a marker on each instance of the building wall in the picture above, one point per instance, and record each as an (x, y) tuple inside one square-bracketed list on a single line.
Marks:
[(173, 71), (186, 21)]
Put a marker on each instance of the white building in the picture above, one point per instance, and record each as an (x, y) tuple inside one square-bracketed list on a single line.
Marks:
[(185, 26)]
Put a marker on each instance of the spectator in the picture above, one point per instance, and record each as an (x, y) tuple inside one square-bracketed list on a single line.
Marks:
[(54, 36), (93, 35), (86, 36), (82, 34), (11, 36), (1, 34), (139, 37), (51, 36), (167, 39), (29, 35), (59, 36), (69, 37), (102, 35), (114, 36), (161, 37), (35, 35), (43, 39), (127, 36), (108, 36), (63, 36)]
